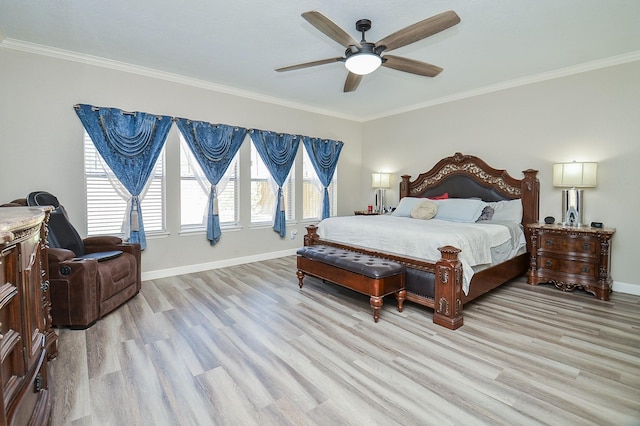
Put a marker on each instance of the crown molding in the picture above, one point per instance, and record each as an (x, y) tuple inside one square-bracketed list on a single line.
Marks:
[(550, 75), (180, 79), (68, 55)]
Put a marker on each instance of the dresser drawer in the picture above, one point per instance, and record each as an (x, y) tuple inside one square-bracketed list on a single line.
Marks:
[(569, 266), (584, 244)]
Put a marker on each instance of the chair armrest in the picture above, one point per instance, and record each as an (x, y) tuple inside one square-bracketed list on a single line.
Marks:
[(135, 250), (109, 243), (64, 266), (101, 243), (57, 255), (132, 248)]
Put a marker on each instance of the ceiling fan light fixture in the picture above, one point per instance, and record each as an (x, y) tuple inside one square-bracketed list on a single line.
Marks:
[(363, 63)]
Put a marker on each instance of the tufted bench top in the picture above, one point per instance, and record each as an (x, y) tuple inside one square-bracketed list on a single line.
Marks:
[(372, 267)]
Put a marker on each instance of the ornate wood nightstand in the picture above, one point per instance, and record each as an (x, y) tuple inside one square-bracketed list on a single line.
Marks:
[(365, 213), (572, 257)]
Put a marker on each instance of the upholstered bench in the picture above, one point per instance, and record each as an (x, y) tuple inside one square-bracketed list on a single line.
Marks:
[(365, 274)]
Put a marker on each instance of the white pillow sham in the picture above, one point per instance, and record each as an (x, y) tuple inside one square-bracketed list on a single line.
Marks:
[(459, 209), (405, 206), (508, 210)]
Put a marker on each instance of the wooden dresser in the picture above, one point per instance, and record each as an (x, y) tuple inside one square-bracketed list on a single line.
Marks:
[(27, 340), (572, 257)]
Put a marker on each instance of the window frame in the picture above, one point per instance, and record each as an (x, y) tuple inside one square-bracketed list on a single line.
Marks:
[(97, 222), (202, 227)]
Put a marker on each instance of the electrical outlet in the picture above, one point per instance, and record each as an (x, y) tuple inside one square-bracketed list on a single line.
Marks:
[(294, 232)]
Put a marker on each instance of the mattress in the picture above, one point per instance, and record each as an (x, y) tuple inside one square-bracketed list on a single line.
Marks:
[(482, 243)]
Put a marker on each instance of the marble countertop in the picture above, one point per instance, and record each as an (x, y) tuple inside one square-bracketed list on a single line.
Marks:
[(13, 219)]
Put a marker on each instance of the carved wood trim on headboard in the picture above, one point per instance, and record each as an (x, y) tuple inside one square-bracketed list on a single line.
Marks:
[(527, 189)]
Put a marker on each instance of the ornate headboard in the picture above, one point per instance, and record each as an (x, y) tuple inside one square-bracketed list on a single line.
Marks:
[(467, 176)]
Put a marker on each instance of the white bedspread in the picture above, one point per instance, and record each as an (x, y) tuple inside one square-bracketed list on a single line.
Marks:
[(418, 238)]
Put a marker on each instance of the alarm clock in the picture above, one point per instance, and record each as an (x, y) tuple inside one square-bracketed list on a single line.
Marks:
[(549, 220)]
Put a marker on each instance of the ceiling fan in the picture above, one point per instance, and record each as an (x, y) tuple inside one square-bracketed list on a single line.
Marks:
[(364, 57)]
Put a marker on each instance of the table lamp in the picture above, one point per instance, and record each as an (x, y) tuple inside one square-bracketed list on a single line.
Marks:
[(380, 181), (574, 175)]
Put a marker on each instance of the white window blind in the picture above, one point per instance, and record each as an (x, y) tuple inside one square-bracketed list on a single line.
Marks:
[(105, 208)]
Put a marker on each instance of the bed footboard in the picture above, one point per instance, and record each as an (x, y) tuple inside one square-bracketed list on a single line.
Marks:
[(448, 289)]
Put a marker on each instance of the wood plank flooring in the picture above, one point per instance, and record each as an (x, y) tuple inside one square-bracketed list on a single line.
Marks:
[(245, 346)]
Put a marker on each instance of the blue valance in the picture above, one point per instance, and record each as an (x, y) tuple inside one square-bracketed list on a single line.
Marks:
[(129, 142), (214, 147), (324, 156), (278, 152)]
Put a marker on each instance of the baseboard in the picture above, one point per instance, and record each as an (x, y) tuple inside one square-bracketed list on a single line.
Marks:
[(188, 269), (627, 288)]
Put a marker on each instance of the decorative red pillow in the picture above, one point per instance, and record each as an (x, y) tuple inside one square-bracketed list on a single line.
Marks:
[(444, 196)]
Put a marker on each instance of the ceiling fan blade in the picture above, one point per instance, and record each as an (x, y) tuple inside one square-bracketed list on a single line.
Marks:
[(309, 64), (329, 28), (411, 65), (352, 82), (419, 30)]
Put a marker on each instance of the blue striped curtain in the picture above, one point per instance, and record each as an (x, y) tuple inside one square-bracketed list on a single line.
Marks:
[(213, 146), (278, 152), (324, 156), (129, 142)]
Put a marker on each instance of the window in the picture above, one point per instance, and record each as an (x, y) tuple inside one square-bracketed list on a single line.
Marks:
[(194, 199), (106, 209), (263, 200), (313, 192)]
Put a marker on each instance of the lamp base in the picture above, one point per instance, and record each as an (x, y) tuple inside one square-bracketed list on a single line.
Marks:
[(380, 207), (572, 207)]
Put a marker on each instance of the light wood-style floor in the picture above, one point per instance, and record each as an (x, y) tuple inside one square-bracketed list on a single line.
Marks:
[(245, 346)]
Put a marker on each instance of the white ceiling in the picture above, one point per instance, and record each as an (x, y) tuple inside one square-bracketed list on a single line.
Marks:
[(235, 45)]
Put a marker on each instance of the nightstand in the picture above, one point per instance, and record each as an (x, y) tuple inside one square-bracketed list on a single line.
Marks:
[(571, 257), (365, 213)]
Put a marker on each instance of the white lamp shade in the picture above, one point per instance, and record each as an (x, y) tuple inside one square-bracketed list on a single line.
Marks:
[(575, 175), (380, 180), (363, 63)]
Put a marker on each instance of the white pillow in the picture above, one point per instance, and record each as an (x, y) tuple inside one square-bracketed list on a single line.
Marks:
[(508, 210), (424, 210), (405, 206), (459, 209)]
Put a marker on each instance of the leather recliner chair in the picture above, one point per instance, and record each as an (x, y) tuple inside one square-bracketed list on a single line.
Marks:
[(89, 277)]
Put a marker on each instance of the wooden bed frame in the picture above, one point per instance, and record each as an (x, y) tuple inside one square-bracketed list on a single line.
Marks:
[(461, 176)]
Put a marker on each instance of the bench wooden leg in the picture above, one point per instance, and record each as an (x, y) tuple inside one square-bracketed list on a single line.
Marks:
[(401, 296), (376, 304), (300, 275)]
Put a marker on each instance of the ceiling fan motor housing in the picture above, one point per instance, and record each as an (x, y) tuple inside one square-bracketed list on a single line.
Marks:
[(364, 48), (363, 25)]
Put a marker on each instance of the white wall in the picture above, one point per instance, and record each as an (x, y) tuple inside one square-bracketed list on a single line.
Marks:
[(593, 116), (41, 146)]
